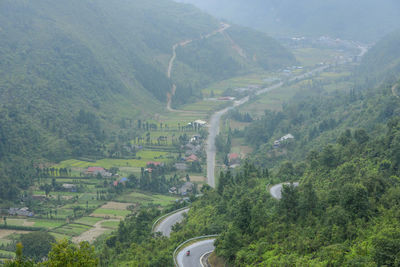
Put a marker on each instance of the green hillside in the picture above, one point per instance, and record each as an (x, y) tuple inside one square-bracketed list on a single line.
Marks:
[(73, 72), (382, 62), (108, 59)]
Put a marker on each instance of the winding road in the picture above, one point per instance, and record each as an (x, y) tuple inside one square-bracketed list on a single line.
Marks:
[(197, 250), (165, 226), (221, 29)]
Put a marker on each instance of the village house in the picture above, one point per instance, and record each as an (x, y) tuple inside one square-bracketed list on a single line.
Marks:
[(234, 158), (20, 212), (192, 158), (69, 187), (93, 171), (192, 149), (172, 190), (154, 164), (186, 188), (195, 138)]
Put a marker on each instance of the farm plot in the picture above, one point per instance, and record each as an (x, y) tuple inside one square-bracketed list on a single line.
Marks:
[(110, 213), (88, 220), (142, 157), (72, 229), (147, 199), (94, 232)]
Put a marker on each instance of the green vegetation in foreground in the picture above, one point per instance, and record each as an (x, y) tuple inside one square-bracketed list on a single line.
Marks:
[(347, 203)]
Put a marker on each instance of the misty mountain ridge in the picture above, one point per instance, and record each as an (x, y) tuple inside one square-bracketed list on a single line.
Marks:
[(362, 20)]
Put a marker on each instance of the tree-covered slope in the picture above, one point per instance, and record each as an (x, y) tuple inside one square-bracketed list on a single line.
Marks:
[(382, 62), (71, 71), (108, 58), (365, 20)]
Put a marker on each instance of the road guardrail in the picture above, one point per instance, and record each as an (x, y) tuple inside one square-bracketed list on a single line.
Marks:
[(187, 241)]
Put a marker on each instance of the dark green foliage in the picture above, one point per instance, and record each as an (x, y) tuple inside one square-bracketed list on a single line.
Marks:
[(37, 245)]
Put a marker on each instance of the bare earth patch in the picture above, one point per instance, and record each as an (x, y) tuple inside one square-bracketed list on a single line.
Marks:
[(28, 223), (116, 205), (106, 216), (194, 178), (5, 233), (93, 233)]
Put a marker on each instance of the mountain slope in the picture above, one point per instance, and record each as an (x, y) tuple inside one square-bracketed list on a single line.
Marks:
[(365, 20), (382, 62), (71, 71), (60, 57)]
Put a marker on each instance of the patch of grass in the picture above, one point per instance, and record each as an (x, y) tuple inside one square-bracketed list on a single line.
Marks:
[(72, 229), (48, 224), (58, 236), (313, 56), (147, 199), (18, 222), (4, 242), (9, 253), (218, 88), (111, 224), (88, 220), (144, 156)]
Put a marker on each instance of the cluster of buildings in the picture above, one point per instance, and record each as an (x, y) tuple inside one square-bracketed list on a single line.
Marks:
[(93, 171), (185, 189)]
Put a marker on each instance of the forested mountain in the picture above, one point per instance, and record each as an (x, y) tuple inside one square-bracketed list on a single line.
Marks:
[(382, 62), (109, 60), (365, 20), (72, 70)]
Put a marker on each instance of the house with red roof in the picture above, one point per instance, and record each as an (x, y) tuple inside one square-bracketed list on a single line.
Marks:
[(154, 163), (234, 158), (192, 158), (95, 169), (98, 170)]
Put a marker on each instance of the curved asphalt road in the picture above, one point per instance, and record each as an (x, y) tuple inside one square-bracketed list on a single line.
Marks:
[(165, 226), (276, 190), (197, 250)]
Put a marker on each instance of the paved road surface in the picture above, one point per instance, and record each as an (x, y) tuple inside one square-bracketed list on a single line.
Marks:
[(197, 250), (165, 226), (276, 190)]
